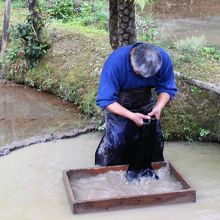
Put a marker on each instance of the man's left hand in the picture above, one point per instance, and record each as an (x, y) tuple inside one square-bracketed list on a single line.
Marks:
[(161, 102), (156, 111)]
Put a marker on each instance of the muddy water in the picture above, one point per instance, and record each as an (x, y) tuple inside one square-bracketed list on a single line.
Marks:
[(178, 19), (114, 184), (25, 112), (180, 28), (31, 185)]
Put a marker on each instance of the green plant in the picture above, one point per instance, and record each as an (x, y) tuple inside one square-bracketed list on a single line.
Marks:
[(29, 39), (14, 65), (166, 135), (58, 9), (93, 13), (203, 132), (195, 90), (146, 28), (189, 127), (29, 44), (211, 52)]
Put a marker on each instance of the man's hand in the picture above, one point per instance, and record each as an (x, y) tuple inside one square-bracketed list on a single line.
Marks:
[(156, 111), (138, 118), (161, 102)]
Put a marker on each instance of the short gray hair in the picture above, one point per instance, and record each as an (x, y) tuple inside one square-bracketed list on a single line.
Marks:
[(146, 59)]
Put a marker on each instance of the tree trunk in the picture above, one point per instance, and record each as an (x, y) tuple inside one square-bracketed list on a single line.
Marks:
[(5, 32), (122, 29), (126, 22), (113, 23), (32, 6)]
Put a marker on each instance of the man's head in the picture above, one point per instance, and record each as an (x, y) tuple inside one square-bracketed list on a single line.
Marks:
[(146, 59)]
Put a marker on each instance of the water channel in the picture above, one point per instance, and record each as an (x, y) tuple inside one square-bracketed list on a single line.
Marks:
[(26, 112), (180, 19), (32, 186)]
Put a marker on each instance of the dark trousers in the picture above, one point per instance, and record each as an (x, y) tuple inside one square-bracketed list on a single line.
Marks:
[(123, 141)]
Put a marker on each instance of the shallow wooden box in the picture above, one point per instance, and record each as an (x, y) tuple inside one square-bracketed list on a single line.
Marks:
[(187, 194)]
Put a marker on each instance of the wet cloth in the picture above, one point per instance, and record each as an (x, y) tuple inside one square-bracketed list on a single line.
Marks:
[(140, 162), (122, 136), (117, 75)]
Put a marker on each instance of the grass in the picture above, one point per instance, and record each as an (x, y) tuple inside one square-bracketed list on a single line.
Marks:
[(193, 57), (17, 14), (74, 26)]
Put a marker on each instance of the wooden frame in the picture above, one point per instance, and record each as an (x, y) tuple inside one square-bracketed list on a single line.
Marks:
[(187, 194)]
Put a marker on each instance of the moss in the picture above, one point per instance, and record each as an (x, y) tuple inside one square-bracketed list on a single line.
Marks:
[(194, 111)]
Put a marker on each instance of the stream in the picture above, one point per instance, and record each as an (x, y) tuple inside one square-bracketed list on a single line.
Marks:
[(181, 19), (26, 112)]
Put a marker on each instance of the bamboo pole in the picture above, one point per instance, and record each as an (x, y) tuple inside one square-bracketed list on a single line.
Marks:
[(204, 85), (5, 33)]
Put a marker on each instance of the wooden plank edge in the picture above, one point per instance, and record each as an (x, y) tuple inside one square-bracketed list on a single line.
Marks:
[(69, 191), (135, 201)]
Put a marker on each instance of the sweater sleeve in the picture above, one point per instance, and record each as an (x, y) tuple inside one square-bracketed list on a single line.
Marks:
[(109, 86), (166, 83)]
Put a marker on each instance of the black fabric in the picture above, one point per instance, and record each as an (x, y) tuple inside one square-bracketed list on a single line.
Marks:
[(144, 146), (124, 142)]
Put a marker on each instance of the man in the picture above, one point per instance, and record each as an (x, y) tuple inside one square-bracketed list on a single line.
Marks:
[(127, 78)]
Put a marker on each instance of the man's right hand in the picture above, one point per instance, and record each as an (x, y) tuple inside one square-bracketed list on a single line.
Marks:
[(138, 118)]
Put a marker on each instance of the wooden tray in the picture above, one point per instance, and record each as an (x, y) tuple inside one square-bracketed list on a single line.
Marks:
[(186, 194)]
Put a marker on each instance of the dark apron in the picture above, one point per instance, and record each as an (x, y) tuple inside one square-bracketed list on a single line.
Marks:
[(123, 141)]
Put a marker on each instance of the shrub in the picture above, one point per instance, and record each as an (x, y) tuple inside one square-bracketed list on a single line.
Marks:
[(58, 9), (93, 13), (28, 45)]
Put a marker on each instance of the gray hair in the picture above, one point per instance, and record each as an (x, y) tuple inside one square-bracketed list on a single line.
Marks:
[(146, 59)]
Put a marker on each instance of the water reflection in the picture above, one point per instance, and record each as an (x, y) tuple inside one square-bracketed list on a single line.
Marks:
[(178, 19), (187, 27), (25, 112)]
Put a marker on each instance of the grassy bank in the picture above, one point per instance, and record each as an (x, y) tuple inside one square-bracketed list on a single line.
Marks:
[(72, 67)]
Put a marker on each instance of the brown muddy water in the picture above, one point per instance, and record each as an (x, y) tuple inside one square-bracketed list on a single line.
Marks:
[(178, 19), (31, 184), (26, 112), (181, 28), (113, 184)]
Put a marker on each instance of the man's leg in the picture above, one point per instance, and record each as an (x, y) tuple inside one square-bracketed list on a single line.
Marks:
[(109, 151)]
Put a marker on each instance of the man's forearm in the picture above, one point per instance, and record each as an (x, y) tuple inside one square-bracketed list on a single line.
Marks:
[(161, 102), (163, 99), (118, 109)]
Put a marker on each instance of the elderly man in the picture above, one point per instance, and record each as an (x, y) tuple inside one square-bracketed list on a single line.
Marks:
[(127, 78)]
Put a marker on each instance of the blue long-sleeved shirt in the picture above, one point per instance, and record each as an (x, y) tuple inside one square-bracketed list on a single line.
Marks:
[(117, 75)]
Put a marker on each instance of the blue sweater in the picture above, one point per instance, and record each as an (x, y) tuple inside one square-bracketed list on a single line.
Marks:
[(117, 75)]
